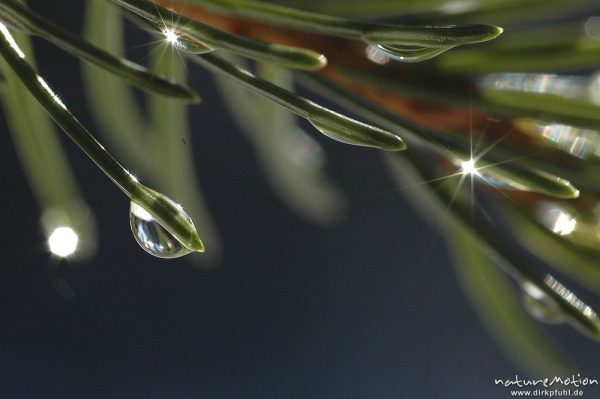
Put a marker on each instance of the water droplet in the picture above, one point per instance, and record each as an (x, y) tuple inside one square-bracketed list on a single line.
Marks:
[(376, 55), (515, 177), (471, 168), (572, 299), (184, 43), (170, 36), (410, 54), (556, 218), (348, 131), (152, 236), (539, 305), (332, 134), (192, 46)]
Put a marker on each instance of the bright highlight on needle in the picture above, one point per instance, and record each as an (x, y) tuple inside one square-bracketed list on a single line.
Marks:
[(171, 36), (63, 241), (469, 168)]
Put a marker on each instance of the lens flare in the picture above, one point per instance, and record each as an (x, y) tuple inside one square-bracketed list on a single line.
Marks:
[(171, 36), (469, 168), (63, 241)]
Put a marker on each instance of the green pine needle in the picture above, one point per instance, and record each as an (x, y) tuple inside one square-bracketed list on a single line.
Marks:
[(208, 37), (127, 70), (166, 212)]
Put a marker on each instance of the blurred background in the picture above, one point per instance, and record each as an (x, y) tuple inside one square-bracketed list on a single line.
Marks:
[(368, 307)]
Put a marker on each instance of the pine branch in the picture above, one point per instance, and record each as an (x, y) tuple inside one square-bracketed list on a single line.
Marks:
[(132, 72), (169, 214)]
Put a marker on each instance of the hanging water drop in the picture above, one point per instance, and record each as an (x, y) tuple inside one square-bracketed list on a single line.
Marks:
[(408, 53), (516, 177), (376, 55), (152, 236), (348, 131), (340, 136), (556, 218), (184, 43), (471, 168), (192, 46), (540, 306)]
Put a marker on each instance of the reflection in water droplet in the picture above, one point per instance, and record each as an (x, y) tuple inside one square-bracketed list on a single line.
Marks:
[(539, 305), (410, 54), (555, 218), (376, 55), (152, 236)]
